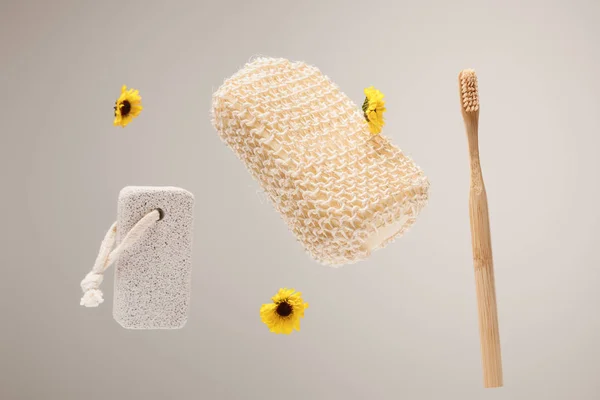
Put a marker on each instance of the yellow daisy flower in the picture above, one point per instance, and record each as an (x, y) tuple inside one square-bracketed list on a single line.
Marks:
[(127, 107), (284, 313), (373, 109)]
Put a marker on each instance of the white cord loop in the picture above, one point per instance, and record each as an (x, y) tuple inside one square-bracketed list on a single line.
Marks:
[(92, 295)]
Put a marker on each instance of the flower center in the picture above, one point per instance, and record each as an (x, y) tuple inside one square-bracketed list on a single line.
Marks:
[(284, 309), (365, 107), (125, 108)]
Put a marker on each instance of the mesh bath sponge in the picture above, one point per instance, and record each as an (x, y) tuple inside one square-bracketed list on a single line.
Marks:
[(342, 192)]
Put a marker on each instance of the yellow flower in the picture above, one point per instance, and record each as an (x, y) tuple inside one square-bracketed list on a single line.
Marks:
[(373, 109), (284, 313), (127, 107)]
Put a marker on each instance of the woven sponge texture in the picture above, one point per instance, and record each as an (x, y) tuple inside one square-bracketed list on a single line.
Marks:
[(309, 147), (153, 277)]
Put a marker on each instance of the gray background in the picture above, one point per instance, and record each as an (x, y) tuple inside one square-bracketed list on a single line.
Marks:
[(401, 325)]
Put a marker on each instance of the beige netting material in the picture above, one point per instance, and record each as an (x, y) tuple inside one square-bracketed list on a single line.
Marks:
[(342, 192)]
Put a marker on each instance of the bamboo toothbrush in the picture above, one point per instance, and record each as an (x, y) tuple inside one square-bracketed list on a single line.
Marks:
[(480, 237)]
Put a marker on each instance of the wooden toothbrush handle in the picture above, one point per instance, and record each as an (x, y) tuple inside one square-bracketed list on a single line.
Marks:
[(484, 280)]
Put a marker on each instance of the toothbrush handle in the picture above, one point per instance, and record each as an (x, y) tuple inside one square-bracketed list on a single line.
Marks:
[(484, 280)]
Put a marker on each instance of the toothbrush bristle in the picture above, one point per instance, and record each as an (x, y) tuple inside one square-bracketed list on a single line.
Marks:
[(469, 94)]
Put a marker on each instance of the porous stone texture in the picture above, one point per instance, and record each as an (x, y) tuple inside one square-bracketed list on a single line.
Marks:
[(341, 191), (153, 276)]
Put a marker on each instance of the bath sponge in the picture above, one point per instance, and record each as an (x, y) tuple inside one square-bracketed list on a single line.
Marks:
[(341, 191)]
